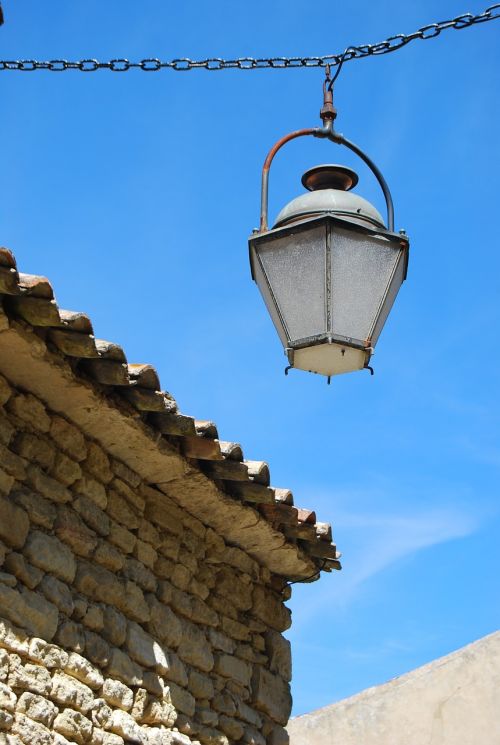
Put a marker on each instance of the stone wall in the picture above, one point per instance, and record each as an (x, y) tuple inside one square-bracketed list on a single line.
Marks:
[(123, 617)]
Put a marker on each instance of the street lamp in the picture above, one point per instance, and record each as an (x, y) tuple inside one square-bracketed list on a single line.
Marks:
[(329, 269)]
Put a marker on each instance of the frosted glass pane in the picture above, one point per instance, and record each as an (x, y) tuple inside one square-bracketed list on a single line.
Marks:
[(271, 307), (362, 266), (391, 296), (295, 267)]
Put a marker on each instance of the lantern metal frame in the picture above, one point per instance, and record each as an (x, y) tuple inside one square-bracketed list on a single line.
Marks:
[(327, 131)]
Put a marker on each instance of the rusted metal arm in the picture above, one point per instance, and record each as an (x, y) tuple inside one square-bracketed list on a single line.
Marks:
[(325, 132)]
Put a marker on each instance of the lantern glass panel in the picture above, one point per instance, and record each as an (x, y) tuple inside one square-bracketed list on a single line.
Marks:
[(396, 283), (295, 268), (361, 268)]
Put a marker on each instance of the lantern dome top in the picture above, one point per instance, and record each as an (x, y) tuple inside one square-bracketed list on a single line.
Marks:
[(328, 193)]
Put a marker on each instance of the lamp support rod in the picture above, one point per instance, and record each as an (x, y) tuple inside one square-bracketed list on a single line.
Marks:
[(325, 132)]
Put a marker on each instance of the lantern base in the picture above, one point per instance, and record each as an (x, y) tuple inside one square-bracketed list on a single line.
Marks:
[(329, 358)]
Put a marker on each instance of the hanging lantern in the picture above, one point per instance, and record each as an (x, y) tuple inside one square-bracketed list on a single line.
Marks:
[(329, 269)]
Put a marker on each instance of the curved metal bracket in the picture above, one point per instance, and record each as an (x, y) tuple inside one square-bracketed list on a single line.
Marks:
[(325, 132)]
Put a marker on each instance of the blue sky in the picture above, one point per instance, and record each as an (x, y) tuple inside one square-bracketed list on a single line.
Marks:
[(135, 195)]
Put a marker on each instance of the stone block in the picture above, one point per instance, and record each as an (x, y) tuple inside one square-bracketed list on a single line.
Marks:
[(13, 638), (73, 725), (47, 486), (65, 469), (271, 695), (98, 464), (181, 699), (232, 667), (170, 546), (122, 667), (46, 654), (133, 496), (206, 716), (119, 509), (12, 463), (6, 722), (79, 667), (30, 410), (48, 553), (125, 473), (108, 556), (121, 537), (6, 430), (96, 649), (6, 482), (221, 641), (71, 636), (58, 593), (98, 583), (140, 574), (4, 665), (249, 715), (269, 609), (175, 669), (7, 579), (144, 649), (68, 691), (30, 610), (133, 603), (235, 629), (71, 529), (69, 438), (231, 727), (115, 626), (92, 515), (93, 489), (235, 587), (14, 523), (181, 602), (7, 698), (40, 510), (278, 736), (195, 648), (100, 713), (153, 683), (161, 511), (181, 577), (37, 707), (224, 703), (145, 553), (94, 618), (201, 686), (124, 725), (35, 448), (30, 731), (149, 534), (17, 565), (188, 559), (116, 693), (278, 650), (5, 391), (252, 737), (28, 677), (203, 614)]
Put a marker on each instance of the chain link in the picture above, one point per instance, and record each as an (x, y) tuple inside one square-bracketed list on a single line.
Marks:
[(183, 64)]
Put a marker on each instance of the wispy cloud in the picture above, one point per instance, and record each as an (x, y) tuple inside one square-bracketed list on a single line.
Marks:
[(379, 540)]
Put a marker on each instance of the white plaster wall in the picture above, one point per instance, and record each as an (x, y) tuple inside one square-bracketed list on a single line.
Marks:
[(454, 700)]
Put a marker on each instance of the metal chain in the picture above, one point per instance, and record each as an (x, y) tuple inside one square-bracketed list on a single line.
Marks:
[(391, 44)]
